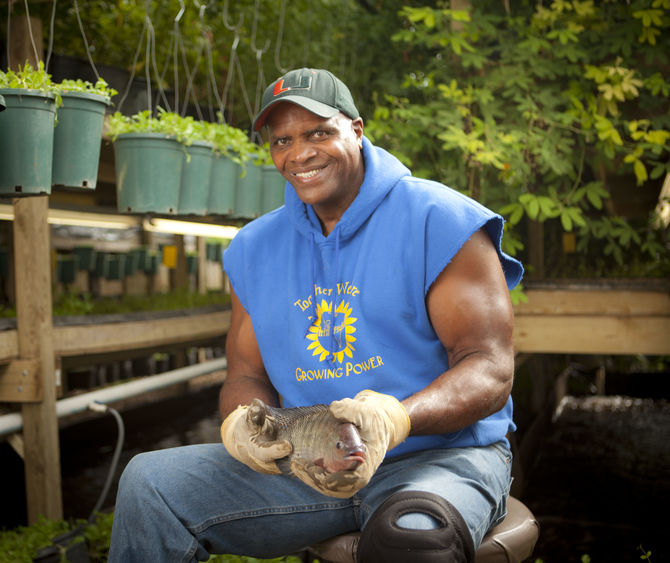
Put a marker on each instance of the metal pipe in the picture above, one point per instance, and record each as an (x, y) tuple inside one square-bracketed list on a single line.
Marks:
[(13, 422)]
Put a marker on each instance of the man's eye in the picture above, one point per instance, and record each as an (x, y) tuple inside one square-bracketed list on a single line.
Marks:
[(319, 134), (281, 141)]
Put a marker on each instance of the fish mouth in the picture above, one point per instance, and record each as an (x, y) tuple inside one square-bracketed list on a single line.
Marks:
[(355, 457)]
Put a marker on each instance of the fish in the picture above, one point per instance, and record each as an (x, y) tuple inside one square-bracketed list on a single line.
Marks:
[(326, 451)]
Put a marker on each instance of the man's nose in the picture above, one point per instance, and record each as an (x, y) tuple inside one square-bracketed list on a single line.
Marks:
[(301, 152)]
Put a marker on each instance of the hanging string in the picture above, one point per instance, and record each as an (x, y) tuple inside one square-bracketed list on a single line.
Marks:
[(9, 17), (134, 65), (147, 54), (280, 33), (160, 92), (30, 32), (260, 82), (233, 55), (177, 38), (81, 28), (51, 34), (189, 84), (210, 62)]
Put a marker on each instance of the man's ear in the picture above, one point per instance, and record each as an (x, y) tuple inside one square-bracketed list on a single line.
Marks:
[(357, 126)]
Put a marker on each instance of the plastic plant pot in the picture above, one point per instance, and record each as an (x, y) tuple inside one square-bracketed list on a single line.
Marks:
[(195, 179), (148, 172), (248, 191), (221, 200), (272, 189), (26, 142), (87, 257), (77, 137)]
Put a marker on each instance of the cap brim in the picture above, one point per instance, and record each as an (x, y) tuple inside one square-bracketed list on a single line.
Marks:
[(318, 108)]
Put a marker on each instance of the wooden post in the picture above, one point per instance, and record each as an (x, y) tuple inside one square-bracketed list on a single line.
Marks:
[(35, 341), (202, 264), (20, 46), (32, 274)]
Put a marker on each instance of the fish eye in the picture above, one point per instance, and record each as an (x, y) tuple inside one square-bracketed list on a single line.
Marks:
[(339, 445)]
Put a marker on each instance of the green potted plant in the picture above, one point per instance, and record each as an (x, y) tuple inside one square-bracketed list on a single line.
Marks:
[(232, 149), (149, 160), (197, 169), (273, 183), (76, 151), (26, 143)]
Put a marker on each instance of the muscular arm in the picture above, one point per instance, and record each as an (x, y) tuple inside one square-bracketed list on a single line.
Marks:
[(246, 377), (472, 315)]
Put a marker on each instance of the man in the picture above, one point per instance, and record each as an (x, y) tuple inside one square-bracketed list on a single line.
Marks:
[(383, 295)]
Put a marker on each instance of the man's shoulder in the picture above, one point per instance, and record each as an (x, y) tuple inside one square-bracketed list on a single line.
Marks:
[(429, 194), (269, 224)]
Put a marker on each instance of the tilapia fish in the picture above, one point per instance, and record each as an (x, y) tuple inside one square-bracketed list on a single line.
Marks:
[(326, 451)]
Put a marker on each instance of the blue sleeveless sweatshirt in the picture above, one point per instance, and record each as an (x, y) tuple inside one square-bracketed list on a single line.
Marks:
[(338, 314)]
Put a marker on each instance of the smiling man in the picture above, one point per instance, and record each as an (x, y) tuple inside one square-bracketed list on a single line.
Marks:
[(382, 295)]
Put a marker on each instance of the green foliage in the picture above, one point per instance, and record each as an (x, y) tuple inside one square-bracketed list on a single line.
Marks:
[(30, 78), (84, 304), (225, 139), (533, 111), (70, 304), (21, 544), (354, 44), (100, 87)]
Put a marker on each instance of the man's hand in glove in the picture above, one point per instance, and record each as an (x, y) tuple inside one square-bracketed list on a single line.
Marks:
[(382, 422), (241, 439)]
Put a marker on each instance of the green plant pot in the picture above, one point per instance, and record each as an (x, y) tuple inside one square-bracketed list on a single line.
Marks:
[(221, 200), (117, 267), (77, 137), (192, 263), (142, 256), (272, 189), (148, 173), (66, 268), (195, 179), (151, 265), (248, 191), (132, 263), (26, 142), (87, 257), (213, 251), (102, 264)]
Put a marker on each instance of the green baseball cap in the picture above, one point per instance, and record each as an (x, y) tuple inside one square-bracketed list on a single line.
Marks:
[(316, 90)]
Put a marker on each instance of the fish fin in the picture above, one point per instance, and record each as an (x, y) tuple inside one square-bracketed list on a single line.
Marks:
[(320, 462)]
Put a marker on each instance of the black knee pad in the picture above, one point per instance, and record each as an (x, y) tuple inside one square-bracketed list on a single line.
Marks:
[(383, 541)]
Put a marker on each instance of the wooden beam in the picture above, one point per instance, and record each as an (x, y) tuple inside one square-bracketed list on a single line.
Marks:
[(94, 339), (35, 342), (593, 321), (20, 382)]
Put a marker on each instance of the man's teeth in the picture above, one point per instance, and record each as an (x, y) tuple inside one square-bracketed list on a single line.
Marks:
[(307, 174)]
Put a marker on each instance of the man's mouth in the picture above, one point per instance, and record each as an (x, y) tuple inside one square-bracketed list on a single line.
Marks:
[(306, 175)]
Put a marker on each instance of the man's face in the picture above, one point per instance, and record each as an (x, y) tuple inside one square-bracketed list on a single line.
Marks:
[(321, 158)]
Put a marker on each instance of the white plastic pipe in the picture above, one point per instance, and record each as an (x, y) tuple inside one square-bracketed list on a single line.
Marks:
[(13, 422)]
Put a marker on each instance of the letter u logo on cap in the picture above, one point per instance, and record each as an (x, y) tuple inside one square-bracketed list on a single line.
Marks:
[(292, 82)]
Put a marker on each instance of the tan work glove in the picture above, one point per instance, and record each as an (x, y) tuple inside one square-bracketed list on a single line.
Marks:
[(382, 422), (241, 439)]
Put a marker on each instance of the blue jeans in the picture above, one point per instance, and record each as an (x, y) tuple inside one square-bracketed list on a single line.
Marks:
[(183, 504)]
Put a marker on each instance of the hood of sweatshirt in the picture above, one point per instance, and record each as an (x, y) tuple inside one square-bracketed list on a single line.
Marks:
[(382, 172)]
